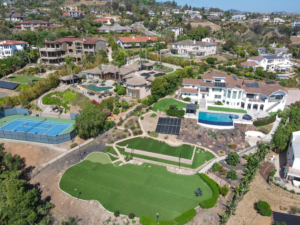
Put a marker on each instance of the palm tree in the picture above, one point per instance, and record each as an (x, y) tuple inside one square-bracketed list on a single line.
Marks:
[(29, 56), (68, 61), (88, 59), (3, 69)]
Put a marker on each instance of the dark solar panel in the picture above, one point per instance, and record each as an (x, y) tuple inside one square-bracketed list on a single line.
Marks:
[(171, 122), (158, 129), (270, 82), (159, 120), (168, 125), (168, 121), (219, 84), (249, 85), (234, 77), (163, 121), (170, 129), (238, 86), (177, 130), (8, 85), (256, 85)]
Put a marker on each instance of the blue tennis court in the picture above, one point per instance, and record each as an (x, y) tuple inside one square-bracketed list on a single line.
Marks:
[(36, 127)]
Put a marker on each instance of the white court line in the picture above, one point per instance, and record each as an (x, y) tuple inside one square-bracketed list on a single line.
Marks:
[(65, 129), (51, 129)]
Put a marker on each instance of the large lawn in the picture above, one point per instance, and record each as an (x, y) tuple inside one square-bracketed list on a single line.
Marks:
[(143, 190), (200, 158), (221, 109), (23, 79), (160, 147), (167, 102)]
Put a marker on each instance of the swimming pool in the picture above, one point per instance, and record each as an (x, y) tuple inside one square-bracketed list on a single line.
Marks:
[(96, 88), (219, 119)]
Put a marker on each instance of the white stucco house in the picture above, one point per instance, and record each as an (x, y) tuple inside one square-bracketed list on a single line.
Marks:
[(9, 48), (238, 17), (177, 31), (292, 168), (278, 20), (269, 62), (175, 11), (233, 92), (126, 42), (295, 24), (197, 48), (151, 13), (216, 13)]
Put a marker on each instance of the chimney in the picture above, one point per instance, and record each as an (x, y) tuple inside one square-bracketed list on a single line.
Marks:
[(46, 39), (84, 39), (194, 41), (243, 83), (149, 38), (132, 37)]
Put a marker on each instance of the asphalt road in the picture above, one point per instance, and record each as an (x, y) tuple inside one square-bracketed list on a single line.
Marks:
[(140, 26)]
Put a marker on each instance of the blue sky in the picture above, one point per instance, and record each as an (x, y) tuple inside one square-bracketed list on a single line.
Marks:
[(247, 5)]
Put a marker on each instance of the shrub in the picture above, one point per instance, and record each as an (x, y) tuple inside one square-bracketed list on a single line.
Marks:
[(73, 145), (199, 77), (233, 159), (264, 121), (116, 111), (233, 133), (209, 132), (232, 175), (264, 208), (211, 202), (222, 171), (117, 213), (174, 112), (224, 190), (188, 99), (218, 103), (293, 191), (153, 115), (142, 117), (118, 104), (196, 127), (223, 133), (131, 216), (216, 167), (231, 146), (135, 132)]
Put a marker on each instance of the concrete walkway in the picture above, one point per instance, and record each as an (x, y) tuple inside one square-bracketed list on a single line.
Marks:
[(269, 136)]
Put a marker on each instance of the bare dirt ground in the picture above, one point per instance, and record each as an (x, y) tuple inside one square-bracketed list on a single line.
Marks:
[(207, 23), (218, 57), (279, 200), (295, 40), (77, 140), (34, 155), (73, 3)]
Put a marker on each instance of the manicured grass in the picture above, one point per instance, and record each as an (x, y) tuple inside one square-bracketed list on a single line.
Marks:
[(221, 109), (273, 113), (23, 79), (110, 149), (160, 147), (118, 163), (167, 102), (24, 87), (199, 159), (142, 190)]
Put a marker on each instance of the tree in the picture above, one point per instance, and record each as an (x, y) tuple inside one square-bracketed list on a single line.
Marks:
[(211, 60), (121, 91), (128, 6), (90, 121), (229, 45), (88, 59), (233, 159), (133, 44), (70, 221), (224, 190), (264, 208), (68, 61), (232, 175), (120, 59), (159, 86), (30, 55), (115, 5), (112, 21)]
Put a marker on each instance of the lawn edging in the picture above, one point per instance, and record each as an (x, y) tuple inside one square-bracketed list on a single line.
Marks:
[(223, 109), (184, 218), (211, 202)]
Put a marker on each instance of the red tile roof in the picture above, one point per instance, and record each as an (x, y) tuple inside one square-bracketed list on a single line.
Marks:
[(258, 58), (249, 63), (102, 19), (189, 90), (76, 11), (71, 39), (10, 42), (65, 14), (137, 39)]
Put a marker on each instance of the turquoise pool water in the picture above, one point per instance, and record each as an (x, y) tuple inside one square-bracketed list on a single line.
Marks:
[(96, 88), (220, 119)]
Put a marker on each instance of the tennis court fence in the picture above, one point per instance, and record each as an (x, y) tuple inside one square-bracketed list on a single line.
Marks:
[(43, 138)]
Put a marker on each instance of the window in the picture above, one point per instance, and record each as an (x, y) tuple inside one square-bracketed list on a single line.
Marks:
[(250, 95), (228, 94), (227, 103), (238, 103), (224, 93), (218, 96), (217, 89), (234, 94), (224, 101), (240, 94)]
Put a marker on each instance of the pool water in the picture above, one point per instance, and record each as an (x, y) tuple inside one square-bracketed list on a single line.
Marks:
[(220, 119), (96, 88)]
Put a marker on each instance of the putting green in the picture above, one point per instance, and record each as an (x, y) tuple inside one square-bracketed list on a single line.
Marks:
[(143, 190)]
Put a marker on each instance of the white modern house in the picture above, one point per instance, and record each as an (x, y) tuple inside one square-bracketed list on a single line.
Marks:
[(295, 24), (278, 20), (177, 31), (291, 170), (269, 62), (76, 13), (127, 42), (9, 48), (216, 13), (233, 92), (175, 11), (197, 48), (151, 13), (14, 17), (238, 17)]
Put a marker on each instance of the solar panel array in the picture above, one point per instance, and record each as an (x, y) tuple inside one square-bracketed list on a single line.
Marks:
[(168, 126), (270, 82), (252, 85), (234, 77), (272, 57), (219, 84), (238, 86), (8, 85)]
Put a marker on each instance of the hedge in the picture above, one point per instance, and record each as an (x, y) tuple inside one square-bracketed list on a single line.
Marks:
[(184, 218), (175, 112), (264, 121), (211, 202)]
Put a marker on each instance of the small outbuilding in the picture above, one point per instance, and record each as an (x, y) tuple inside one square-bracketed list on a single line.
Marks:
[(191, 108), (68, 80)]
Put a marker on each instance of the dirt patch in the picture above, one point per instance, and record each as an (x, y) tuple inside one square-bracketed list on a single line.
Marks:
[(207, 23), (34, 155), (77, 140), (259, 190), (295, 40), (265, 170)]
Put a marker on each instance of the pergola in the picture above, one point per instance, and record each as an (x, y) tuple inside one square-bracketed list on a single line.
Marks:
[(191, 108)]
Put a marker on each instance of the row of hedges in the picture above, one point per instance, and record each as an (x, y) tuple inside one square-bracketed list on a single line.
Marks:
[(264, 121), (211, 202), (180, 220), (175, 112)]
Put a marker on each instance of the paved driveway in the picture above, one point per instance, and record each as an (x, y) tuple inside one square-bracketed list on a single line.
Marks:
[(293, 96)]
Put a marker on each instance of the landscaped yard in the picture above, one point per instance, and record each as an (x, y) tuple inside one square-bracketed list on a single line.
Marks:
[(200, 158), (23, 79), (221, 109), (165, 103), (160, 147), (140, 189)]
